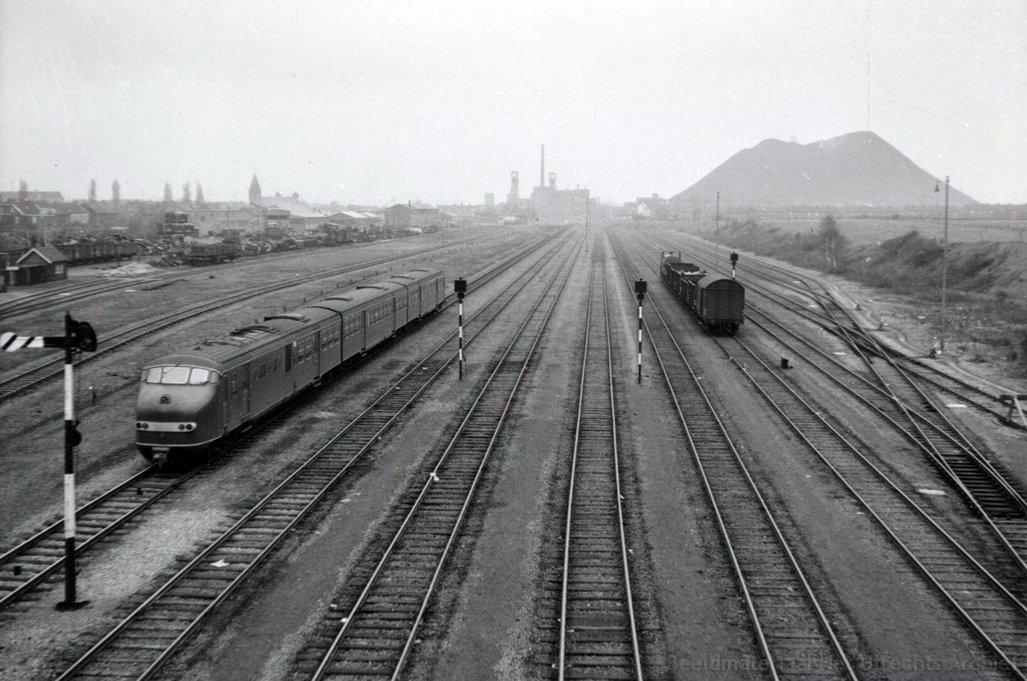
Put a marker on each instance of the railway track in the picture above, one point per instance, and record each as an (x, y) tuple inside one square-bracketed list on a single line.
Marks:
[(995, 614), (794, 635), (982, 483), (32, 561), (988, 487), (990, 605), (999, 515), (988, 399), (75, 290), (145, 640), (596, 621), (29, 563), (50, 369), (388, 596)]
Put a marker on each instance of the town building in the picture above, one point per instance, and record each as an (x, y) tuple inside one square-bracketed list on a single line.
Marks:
[(409, 216), (20, 215), (54, 197), (354, 219)]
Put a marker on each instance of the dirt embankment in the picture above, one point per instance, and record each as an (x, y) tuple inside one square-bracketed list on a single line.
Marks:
[(985, 282)]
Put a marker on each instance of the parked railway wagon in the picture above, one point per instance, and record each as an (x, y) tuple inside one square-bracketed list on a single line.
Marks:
[(205, 254), (718, 302), (82, 252), (198, 397)]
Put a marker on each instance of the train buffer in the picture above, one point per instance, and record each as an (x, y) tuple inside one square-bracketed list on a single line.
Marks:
[(1015, 405)]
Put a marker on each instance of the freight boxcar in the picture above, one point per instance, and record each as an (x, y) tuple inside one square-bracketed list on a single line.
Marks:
[(718, 302)]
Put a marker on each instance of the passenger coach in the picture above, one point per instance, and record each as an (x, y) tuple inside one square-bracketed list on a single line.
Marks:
[(192, 399)]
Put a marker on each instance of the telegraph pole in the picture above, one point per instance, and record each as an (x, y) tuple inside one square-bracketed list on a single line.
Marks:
[(944, 264)]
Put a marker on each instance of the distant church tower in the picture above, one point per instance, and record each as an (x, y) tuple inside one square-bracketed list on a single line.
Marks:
[(255, 195)]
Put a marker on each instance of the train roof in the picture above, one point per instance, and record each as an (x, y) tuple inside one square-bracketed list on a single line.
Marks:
[(415, 275), (718, 281), (223, 351), (309, 313)]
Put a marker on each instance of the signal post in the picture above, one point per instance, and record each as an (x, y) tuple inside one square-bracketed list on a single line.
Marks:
[(460, 288), (78, 336), (640, 291)]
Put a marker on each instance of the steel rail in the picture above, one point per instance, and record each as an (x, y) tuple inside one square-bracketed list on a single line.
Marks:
[(594, 460), (922, 440), (933, 415), (830, 325), (26, 572), (24, 381), (320, 469), (998, 533), (1015, 613), (77, 290), (1018, 614), (819, 620), (494, 423)]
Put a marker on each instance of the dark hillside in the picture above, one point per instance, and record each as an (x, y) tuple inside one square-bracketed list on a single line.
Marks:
[(856, 169)]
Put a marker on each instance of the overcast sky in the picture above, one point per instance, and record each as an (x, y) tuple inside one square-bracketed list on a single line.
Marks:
[(381, 101)]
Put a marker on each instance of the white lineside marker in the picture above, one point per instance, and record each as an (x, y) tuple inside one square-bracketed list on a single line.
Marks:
[(930, 492), (956, 405)]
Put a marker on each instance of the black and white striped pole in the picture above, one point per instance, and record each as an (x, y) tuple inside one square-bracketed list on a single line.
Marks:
[(640, 290), (77, 336), (460, 287)]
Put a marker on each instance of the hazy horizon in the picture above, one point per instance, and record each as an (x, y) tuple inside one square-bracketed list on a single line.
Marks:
[(375, 103)]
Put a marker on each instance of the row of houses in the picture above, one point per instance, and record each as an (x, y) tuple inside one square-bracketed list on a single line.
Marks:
[(37, 220)]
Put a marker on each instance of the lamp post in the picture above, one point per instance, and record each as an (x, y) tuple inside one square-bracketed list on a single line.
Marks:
[(944, 261)]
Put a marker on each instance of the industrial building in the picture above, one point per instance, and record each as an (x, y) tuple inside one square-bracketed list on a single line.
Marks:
[(554, 206)]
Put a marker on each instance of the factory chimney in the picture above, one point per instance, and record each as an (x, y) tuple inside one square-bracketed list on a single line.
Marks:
[(542, 171)]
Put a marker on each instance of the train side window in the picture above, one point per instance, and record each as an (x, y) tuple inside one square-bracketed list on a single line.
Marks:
[(288, 358)]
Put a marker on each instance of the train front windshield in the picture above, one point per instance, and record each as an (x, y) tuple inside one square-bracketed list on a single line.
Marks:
[(179, 376)]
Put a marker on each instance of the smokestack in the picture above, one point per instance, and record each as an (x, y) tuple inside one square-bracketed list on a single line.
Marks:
[(542, 172)]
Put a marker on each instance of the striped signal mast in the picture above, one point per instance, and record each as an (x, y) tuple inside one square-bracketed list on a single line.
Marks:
[(460, 287), (640, 291), (78, 336)]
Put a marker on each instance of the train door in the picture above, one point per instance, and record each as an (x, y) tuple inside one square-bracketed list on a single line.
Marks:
[(317, 354), (226, 402), (244, 380)]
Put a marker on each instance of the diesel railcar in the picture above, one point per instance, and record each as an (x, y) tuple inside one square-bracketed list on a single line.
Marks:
[(718, 302), (191, 400)]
